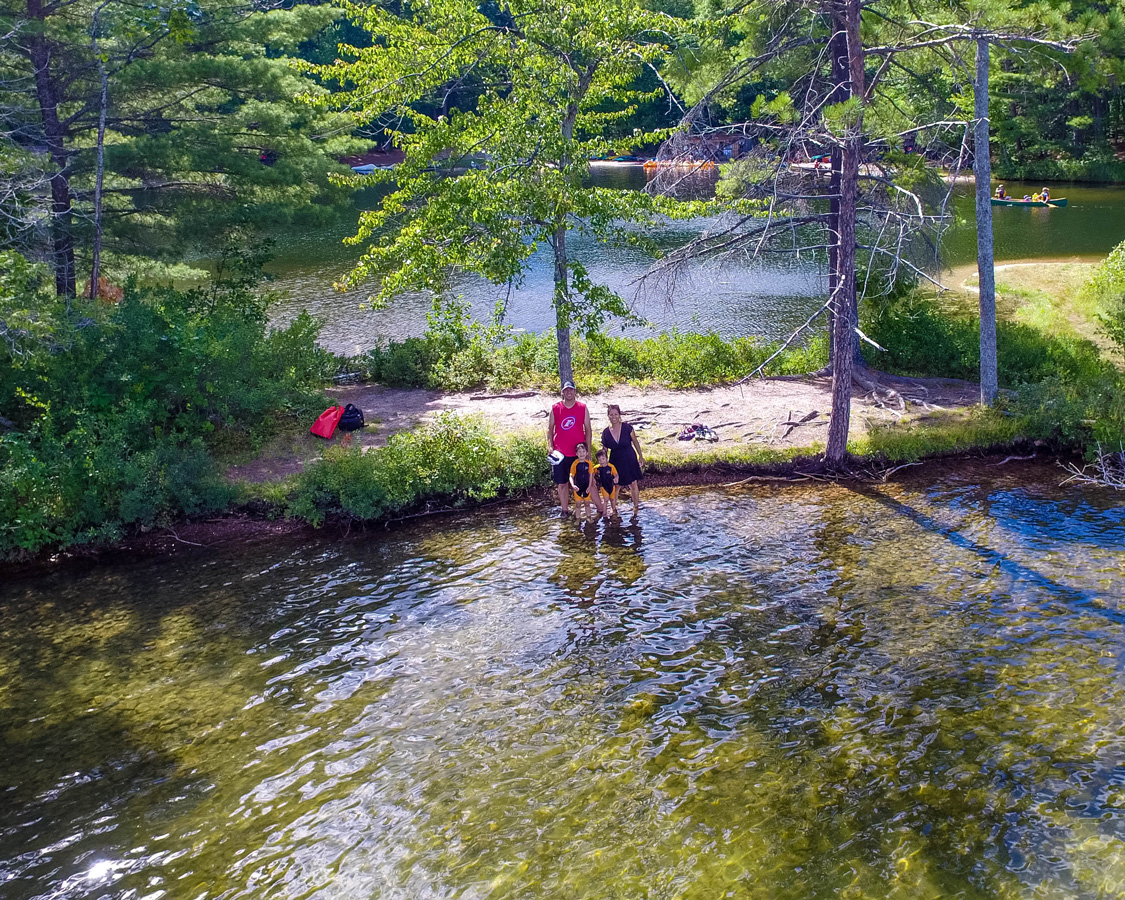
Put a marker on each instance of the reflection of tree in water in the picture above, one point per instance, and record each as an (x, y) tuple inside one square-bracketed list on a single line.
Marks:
[(954, 727)]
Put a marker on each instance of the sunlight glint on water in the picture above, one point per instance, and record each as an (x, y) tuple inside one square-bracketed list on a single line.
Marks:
[(906, 691)]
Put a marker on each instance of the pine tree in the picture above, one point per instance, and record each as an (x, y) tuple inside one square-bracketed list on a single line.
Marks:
[(201, 128)]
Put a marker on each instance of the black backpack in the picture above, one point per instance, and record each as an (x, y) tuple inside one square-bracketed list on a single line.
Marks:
[(352, 419)]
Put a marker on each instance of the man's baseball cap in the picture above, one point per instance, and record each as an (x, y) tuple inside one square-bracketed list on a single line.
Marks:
[(568, 384)]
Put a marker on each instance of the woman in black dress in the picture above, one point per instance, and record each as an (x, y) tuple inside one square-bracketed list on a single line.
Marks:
[(625, 454)]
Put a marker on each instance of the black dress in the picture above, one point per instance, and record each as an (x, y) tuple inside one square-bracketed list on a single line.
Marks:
[(623, 455)]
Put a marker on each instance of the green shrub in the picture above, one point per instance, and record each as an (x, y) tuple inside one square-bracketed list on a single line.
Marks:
[(1106, 288), (118, 409), (457, 354), (452, 460), (405, 364), (1073, 414), (921, 339)]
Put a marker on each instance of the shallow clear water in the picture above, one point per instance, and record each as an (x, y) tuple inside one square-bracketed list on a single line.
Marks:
[(909, 690), (766, 298)]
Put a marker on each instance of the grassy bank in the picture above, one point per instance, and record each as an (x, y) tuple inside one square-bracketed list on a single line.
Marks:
[(457, 462), (456, 354)]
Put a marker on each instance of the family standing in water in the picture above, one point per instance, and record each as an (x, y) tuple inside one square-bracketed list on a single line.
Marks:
[(592, 478)]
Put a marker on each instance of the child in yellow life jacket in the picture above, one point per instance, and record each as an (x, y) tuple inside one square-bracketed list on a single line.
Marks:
[(606, 477), (582, 482)]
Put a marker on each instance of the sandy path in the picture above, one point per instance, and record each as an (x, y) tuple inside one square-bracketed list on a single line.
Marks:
[(754, 413)]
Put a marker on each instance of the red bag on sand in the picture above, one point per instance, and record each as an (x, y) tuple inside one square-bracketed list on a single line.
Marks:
[(325, 424)]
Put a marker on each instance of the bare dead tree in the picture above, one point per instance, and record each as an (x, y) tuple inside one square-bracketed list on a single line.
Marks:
[(783, 205), (787, 207)]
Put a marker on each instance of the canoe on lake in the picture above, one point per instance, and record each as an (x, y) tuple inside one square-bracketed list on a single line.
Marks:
[(1011, 201)]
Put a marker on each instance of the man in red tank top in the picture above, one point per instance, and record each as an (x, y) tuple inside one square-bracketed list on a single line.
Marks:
[(567, 427)]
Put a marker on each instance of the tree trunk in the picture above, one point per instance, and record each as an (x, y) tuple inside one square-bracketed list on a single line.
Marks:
[(982, 173), (39, 51), (843, 300), (562, 307), (838, 52), (95, 270), (562, 272), (833, 245)]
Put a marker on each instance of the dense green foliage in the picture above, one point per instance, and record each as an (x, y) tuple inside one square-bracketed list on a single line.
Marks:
[(114, 412), (457, 354), (1059, 116), (1065, 390), (1106, 291), (204, 134), (453, 460)]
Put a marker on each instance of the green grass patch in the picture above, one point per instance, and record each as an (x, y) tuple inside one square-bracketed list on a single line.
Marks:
[(945, 433), (667, 459), (454, 460)]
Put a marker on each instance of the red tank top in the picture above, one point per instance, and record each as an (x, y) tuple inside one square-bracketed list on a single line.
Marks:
[(570, 427)]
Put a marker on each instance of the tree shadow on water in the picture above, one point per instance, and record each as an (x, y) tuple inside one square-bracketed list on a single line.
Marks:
[(1077, 598)]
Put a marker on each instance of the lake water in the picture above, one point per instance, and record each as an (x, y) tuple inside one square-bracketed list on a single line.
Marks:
[(767, 298), (908, 690)]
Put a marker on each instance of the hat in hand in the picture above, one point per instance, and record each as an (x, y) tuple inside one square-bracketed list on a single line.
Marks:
[(555, 457)]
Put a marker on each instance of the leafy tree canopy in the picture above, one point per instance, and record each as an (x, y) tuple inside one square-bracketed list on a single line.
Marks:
[(498, 109)]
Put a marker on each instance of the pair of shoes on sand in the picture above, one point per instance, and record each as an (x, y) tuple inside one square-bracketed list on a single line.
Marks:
[(698, 432)]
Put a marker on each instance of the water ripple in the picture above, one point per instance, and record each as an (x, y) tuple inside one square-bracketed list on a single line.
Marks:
[(897, 691)]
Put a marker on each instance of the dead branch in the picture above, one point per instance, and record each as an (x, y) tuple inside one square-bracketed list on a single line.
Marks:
[(891, 472), (517, 396), (1009, 459), (806, 420), (788, 478), (788, 342), (1107, 470)]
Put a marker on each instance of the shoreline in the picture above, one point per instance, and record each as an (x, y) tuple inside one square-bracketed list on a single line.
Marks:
[(256, 521)]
